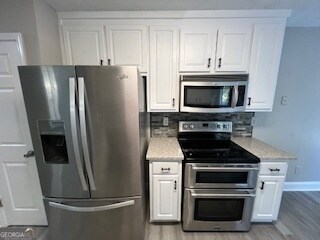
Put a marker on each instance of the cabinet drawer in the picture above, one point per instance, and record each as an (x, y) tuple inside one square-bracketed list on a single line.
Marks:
[(165, 168), (273, 168)]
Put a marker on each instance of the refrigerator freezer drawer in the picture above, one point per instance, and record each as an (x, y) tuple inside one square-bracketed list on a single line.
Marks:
[(120, 219)]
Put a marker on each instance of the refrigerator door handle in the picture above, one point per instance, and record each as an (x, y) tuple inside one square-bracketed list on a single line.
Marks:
[(91, 209), (74, 132), (83, 130)]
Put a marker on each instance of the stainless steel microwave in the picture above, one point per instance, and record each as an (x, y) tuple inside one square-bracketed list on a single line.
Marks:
[(213, 93)]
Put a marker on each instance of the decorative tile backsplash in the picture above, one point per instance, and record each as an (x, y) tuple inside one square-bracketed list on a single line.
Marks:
[(241, 122)]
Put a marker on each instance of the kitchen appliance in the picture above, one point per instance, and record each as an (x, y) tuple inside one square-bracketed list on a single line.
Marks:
[(219, 178), (213, 93), (89, 132)]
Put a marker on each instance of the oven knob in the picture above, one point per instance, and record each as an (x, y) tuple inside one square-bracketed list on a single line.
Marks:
[(218, 126), (185, 126), (191, 126), (225, 126)]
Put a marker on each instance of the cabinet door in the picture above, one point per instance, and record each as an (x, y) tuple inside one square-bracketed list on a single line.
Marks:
[(163, 90), (264, 66), (196, 53), (165, 197), (268, 198), (84, 45), (233, 49), (127, 45)]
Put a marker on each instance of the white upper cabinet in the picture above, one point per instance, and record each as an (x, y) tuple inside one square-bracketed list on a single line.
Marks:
[(196, 49), (163, 90), (128, 45), (233, 49), (265, 61), (84, 45)]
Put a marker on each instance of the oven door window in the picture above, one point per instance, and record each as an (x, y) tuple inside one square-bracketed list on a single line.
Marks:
[(218, 209), (221, 177), (208, 97)]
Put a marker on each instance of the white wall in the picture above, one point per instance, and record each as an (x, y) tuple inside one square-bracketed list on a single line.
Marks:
[(38, 23), (18, 16), (296, 126), (48, 33)]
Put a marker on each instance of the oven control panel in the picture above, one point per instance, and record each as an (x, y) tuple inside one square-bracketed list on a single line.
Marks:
[(205, 126)]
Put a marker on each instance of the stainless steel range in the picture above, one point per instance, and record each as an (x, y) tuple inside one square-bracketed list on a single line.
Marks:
[(219, 178)]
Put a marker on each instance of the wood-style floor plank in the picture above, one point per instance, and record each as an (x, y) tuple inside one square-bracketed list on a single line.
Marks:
[(299, 219)]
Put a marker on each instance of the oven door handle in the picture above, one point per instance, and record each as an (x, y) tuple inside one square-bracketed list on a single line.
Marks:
[(221, 195), (220, 169)]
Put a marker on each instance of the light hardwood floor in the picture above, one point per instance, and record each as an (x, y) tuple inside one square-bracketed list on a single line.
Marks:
[(299, 219)]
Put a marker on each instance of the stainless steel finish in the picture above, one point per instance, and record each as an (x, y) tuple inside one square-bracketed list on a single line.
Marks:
[(235, 96), (126, 222), (205, 126), (112, 118), (215, 78), (208, 81), (74, 132), (191, 170), (29, 154), (190, 224), (46, 91), (219, 195), (83, 130), (92, 209)]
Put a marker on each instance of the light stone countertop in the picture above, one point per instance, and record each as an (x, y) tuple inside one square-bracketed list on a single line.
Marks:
[(262, 150), (164, 149)]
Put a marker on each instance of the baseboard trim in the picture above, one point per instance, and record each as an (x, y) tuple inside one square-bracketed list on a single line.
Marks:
[(301, 186)]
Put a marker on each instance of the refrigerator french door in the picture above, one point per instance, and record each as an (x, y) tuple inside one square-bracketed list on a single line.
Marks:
[(84, 124)]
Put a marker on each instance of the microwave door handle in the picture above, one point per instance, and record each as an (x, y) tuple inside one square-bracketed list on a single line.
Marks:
[(83, 130), (235, 96), (74, 132)]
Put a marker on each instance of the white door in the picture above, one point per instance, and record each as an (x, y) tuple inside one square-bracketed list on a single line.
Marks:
[(165, 197), (233, 49), (84, 45), (264, 66), (163, 90), (19, 181), (268, 198), (196, 49), (128, 45)]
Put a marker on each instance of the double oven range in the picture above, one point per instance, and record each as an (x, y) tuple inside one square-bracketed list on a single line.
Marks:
[(219, 178)]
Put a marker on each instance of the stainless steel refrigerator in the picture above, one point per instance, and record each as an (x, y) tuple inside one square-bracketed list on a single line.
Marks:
[(89, 130)]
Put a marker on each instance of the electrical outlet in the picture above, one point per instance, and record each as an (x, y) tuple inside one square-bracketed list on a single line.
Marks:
[(165, 121), (253, 121), (284, 100)]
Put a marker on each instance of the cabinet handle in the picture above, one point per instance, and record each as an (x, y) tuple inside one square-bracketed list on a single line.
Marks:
[(165, 169), (209, 62), (249, 101), (274, 169), (262, 185), (173, 102), (101, 62), (219, 65), (109, 61), (175, 185)]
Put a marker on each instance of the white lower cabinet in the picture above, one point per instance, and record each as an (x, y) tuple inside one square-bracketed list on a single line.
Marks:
[(269, 192), (165, 191)]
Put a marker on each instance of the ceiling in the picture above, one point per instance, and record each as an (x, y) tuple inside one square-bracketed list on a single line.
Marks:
[(305, 12)]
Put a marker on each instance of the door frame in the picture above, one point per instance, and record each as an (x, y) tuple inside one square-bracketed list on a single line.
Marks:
[(14, 37)]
